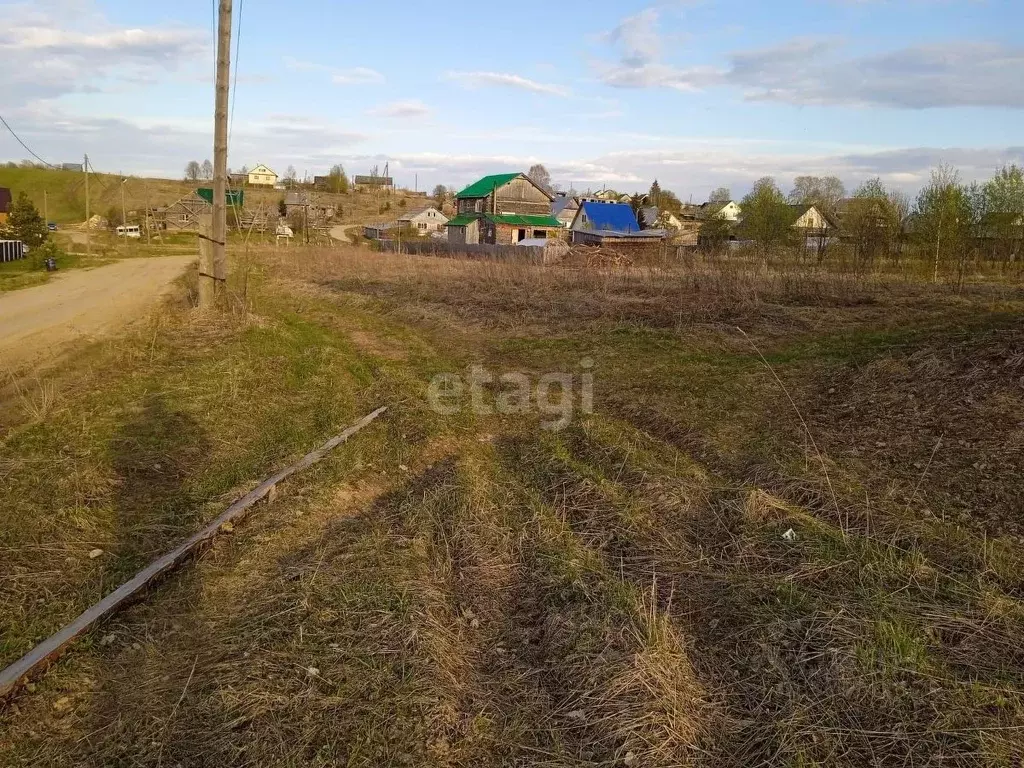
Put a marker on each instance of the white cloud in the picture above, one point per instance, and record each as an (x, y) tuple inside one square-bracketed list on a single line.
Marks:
[(638, 37), (409, 108), (51, 49), (350, 76), (505, 80), (357, 76), (815, 71)]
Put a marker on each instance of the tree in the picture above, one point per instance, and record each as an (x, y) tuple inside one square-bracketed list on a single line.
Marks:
[(714, 232), (655, 194), (290, 176), (669, 201), (539, 175), (25, 222), (337, 180), (720, 195), (638, 202), (207, 169), (767, 219), (1004, 201), (823, 192), (948, 213), (193, 171), (440, 195)]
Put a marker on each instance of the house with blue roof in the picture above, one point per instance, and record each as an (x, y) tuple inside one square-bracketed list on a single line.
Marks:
[(596, 223)]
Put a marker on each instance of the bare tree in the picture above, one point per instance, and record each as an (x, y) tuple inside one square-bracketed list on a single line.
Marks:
[(539, 175), (720, 195), (207, 169), (440, 195), (824, 192), (193, 171)]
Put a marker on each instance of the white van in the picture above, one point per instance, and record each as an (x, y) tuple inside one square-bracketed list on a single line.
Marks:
[(129, 231)]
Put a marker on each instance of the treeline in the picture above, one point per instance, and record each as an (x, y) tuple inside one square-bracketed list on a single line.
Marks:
[(950, 222)]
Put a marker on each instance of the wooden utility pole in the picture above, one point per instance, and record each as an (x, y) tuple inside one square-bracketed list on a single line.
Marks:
[(88, 238), (212, 277), (46, 211)]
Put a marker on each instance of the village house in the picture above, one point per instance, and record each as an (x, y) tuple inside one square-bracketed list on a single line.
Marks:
[(601, 223), (813, 221), (722, 209), (564, 208), (183, 215), (424, 221), (502, 210), (310, 206), (262, 176)]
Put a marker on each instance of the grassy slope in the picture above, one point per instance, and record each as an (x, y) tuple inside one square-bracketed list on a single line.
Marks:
[(472, 590), (66, 195)]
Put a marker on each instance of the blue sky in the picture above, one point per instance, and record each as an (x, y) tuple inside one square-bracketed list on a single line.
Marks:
[(695, 93)]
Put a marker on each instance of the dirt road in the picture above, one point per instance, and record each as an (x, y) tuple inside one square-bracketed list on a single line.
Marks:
[(77, 304), (341, 233)]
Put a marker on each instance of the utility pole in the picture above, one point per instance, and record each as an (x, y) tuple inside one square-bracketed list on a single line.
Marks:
[(124, 213), (88, 238), (213, 276), (46, 210)]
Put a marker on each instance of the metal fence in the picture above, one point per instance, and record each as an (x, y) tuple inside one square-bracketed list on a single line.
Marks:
[(11, 250)]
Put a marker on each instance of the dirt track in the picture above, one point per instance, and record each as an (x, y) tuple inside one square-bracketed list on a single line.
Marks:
[(77, 304)]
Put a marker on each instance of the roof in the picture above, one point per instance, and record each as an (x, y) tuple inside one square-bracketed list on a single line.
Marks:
[(562, 202), (487, 184), (615, 217), (261, 168), (416, 212), (295, 198), (461, 221), (642, 234), (520, 219), (5, 200)]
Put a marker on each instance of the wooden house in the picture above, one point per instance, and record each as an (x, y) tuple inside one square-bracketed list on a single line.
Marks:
[(424, 221), (564, 209), (502, 210), (262, 176), (182, 215), (599, 223)]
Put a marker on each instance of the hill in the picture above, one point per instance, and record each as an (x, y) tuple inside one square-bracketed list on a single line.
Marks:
[(65, 195)]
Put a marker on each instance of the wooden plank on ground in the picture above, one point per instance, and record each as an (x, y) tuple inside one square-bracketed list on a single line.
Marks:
[(36, 660)]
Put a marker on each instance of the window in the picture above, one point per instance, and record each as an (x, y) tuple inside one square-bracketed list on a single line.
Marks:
[(421, 225), (540, 234)]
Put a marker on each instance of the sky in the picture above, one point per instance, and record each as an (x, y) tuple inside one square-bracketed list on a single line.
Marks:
[(697, 94)]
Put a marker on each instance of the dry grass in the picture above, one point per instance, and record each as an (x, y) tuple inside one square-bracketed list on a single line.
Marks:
[(472, 590)]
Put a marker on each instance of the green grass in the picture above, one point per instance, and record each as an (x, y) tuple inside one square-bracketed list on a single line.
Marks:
[(474, 590)]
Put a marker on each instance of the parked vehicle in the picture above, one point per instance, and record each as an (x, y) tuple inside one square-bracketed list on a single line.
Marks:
[(131, 230)]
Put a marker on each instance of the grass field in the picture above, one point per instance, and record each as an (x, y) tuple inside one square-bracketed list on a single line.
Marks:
[(65, 195), (473, 589)]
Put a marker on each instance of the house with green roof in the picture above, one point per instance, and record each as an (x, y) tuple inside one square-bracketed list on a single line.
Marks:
[(502, 210)]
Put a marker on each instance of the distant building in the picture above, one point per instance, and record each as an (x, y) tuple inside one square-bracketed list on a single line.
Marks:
[(5, 204), (373, 182), (72, 167), (564, 208), (262, 176), (424, 220), (183, 215), (598, 223), (502, 210), (723, 209)]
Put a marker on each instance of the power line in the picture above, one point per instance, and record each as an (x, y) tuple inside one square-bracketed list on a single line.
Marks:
[(37, 157)]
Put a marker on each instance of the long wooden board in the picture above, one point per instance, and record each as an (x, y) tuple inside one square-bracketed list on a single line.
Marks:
[(47, 651)]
